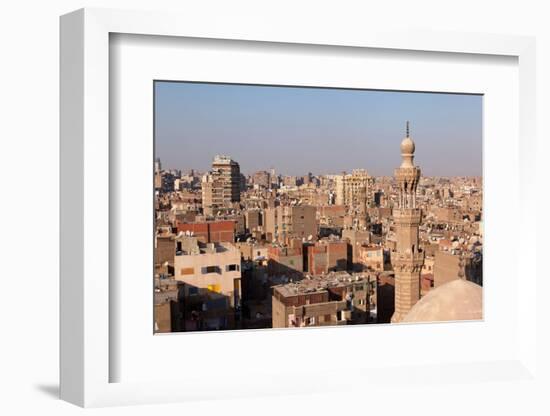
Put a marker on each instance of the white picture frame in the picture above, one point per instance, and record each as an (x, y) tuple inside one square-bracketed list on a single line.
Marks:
[(87, 354)]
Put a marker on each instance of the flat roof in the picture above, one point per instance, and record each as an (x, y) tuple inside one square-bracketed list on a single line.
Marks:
[(321, 283)]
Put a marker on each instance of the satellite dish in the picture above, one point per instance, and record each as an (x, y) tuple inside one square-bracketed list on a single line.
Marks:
[(309, 237)]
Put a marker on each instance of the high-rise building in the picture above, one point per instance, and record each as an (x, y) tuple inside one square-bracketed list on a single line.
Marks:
[(355, 190), (407, 259), (221, 187)]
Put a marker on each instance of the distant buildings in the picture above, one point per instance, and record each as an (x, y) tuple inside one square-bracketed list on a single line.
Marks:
[(262, 179)]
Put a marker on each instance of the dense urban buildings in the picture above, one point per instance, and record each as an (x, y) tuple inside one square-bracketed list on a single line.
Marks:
[(270, 250)]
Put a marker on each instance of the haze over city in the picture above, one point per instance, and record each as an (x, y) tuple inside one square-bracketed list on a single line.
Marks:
[(335, 130)]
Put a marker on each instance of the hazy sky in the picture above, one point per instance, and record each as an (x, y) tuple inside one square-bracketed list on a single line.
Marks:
[(300, 130)]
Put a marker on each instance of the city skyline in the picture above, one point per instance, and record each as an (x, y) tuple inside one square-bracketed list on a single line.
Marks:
[(195, 121)]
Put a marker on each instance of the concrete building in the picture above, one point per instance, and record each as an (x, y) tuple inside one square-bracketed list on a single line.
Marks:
[(355, 190), (334, 299), (332, 215), (167, 312), (327, 256), (283, 223), (356, 239), (262, 179), (221, 187), (211, 274), (407, 259), (210, 231), (285, 261), (372, 257), (253, 220)]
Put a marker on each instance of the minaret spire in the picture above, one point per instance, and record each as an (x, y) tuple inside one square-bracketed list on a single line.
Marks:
[(407, 258)]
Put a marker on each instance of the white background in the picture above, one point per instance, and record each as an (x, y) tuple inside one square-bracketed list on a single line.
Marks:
[(29, 163), (137, 60)]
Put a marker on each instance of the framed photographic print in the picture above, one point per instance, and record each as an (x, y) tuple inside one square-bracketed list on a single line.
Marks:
[(273, 205)]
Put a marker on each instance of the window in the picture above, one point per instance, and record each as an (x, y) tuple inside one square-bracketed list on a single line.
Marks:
[(187, 271), (310, 321), (232, 268), (210, 269)]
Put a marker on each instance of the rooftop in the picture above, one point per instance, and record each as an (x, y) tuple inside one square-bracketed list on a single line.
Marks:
[(321, 283)]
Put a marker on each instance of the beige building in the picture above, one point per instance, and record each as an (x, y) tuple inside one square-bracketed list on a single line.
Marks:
[(356, 238), (284, 223), (253, 220), (211, 267), (355, 190), (372, 257)]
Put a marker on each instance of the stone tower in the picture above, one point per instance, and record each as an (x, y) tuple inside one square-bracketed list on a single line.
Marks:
[(407, 259)]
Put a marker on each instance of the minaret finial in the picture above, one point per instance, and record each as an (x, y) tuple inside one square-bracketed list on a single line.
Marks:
[(407, 128)]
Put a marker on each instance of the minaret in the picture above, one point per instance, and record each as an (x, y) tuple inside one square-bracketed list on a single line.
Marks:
[(407, 259)]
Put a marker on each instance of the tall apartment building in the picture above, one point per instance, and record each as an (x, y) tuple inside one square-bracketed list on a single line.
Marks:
[(284, 223), (221, 187), (355, 190)]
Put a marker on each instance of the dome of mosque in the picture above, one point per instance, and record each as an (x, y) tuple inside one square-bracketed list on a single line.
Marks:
[(457, 300), (407, 146)]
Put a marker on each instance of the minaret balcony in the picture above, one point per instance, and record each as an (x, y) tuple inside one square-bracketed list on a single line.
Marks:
[(409, 258), (407, 216)]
